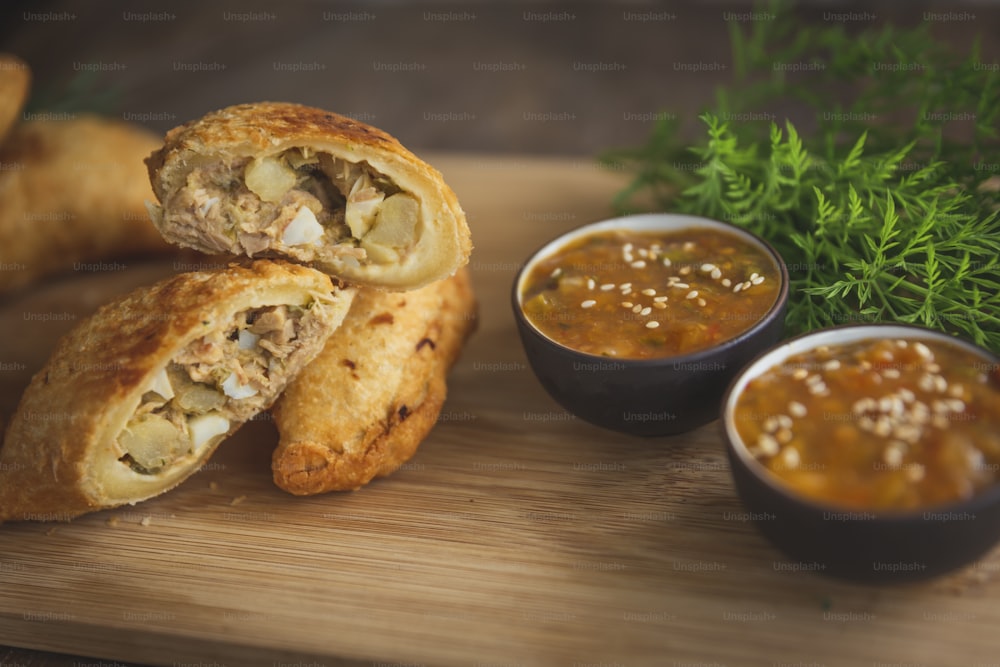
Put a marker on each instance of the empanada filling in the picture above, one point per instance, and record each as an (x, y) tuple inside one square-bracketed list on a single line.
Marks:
[(299, 203), (219, 380)]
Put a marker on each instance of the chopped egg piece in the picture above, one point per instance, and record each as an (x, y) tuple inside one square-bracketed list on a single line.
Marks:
[(232, 388), (247, 340), (206, 427), (303, 229), (161, 385)]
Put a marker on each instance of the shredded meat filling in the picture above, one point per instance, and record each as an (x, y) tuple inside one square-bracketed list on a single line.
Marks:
[(304, 205), (222, 378)]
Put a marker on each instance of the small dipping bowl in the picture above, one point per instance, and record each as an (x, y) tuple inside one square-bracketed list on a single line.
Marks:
[(884, 533), (654, 396)]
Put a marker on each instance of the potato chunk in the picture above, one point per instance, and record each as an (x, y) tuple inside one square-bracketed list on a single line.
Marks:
[(153, 442), (269, 178)]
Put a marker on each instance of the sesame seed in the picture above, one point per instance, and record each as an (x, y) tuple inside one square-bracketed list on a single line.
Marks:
[(940, 384), (758, 280), (726, 282), (738, 287), (831, 365), (660, 299), (926, 382), (628, 257), (637, 308), (627, 304), (920, 413), (652, 324), (649, 291), (639, 264), (891, 373), (799, 373), (689, 246), (790, 457), (754, 275), (666, 261), (643, 252), (716, 274), (923, 351), (956, 391), (893, 453), (646, 311), (768, 444), (659, 305), (784, 436), (933, 368), (939, 421), (907, 395), (882, 427), (628, 247), (556, 272), (589, 303), (625, 286), (901, 343), (906, 432), (591, 284), (771, 424), (693, 294), (707, 268), (746, 284), (606, 287), (814, 379), (796, 409), (685, 270), (818, 389), (702, 302), (680, 285), (956, 404)]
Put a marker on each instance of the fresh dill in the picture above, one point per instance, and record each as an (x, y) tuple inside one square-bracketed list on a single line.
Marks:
[(887, 209)]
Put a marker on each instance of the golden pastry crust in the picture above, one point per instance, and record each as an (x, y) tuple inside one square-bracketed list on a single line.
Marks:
[(363, 406), (73, 192), (61, 456), (267, 129), (15, 82)]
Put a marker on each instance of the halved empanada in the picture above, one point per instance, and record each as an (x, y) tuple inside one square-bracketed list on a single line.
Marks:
[(137, 397), (285, 180), (362, 407)]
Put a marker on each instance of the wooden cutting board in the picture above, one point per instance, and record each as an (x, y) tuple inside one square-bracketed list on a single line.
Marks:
[(518, 535)]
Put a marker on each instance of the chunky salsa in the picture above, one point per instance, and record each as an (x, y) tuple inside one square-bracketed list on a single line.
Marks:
[(880, 424), (640, 295)]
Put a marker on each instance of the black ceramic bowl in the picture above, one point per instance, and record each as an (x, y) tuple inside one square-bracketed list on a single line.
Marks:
[(860, 545), (647, 397)]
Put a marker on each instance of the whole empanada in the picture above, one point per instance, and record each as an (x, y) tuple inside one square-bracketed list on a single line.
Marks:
[(362, 407), (138, 396), (277, 179), (15, 81), (73, 193)]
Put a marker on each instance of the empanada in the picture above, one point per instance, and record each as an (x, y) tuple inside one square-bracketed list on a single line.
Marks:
[(15, 81), (138, 396), (277, 179), (362, 407), (73, 193)]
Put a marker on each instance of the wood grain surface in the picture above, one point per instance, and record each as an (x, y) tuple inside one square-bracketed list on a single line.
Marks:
[(518, 535)]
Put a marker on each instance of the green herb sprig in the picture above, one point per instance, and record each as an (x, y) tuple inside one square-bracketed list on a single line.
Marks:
[(884, 212)]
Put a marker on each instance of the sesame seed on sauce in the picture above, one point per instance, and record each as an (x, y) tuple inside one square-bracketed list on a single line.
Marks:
[(652, 324), (884, 423), (630, 273)]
